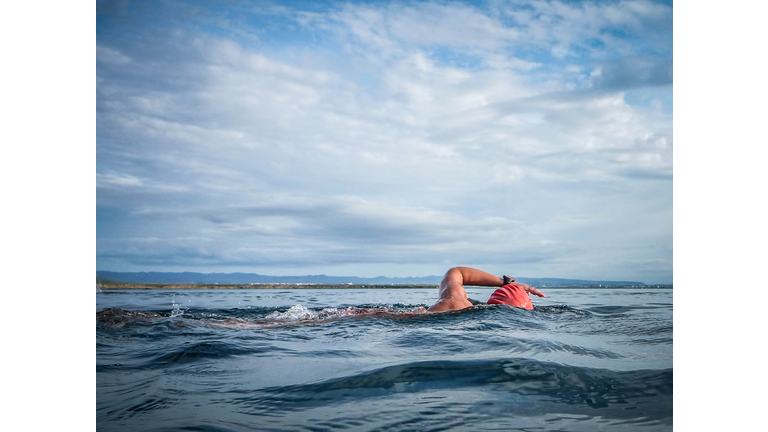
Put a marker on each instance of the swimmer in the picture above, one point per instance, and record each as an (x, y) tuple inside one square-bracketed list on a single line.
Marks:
[(453, 296)]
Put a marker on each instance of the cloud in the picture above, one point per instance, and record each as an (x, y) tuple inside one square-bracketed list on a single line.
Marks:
[(631, 72), (564, 28), (111, 56), (421, 25), (572, 29), (328, 232), (383, 137)]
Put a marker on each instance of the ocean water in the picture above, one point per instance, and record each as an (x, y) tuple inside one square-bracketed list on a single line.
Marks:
[(367, 360)]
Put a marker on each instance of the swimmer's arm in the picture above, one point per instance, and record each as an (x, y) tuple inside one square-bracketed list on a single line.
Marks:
[(480, 278), (452, 292), (471, 276), (477, 277), (454, 296)]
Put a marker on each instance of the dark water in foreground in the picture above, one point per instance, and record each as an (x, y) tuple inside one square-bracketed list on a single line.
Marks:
[(320, 360)]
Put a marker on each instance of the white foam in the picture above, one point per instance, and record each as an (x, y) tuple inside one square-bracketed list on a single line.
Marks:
[(295, 313)]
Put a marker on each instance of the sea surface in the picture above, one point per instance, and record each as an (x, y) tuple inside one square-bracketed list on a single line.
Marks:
[(585, 359)]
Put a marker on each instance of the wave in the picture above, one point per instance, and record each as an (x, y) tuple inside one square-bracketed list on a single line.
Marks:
[(475, 318), (553, 385), (299, 312), (465, 393), (473, 330)]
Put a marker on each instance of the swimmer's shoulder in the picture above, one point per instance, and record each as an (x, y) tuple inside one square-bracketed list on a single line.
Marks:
[(449, 303)]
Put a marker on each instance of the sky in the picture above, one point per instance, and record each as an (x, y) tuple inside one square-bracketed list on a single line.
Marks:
[(529, 138)]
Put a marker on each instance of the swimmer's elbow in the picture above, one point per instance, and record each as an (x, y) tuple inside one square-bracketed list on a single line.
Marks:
[(454, 274)]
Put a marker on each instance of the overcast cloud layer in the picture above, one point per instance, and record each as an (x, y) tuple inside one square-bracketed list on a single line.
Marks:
[(532, 138)]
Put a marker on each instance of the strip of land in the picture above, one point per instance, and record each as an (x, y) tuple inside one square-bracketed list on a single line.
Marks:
[(142, 286)]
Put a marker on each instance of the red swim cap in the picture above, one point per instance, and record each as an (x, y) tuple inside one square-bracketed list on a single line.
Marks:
[(512, 295)]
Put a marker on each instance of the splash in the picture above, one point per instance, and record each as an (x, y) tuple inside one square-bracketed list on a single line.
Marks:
[(177, 310), (299, 313), (294, 313)]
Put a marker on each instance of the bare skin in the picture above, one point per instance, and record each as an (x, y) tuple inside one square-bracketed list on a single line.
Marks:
[(453, 295)]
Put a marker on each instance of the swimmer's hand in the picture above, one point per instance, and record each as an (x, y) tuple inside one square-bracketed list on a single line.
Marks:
[(529, 289)]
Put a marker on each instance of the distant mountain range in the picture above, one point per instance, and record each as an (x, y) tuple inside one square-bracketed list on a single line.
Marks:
[(252, 278)]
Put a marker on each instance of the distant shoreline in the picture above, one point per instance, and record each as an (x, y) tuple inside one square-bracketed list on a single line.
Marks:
[(144, 286), (104, 286)]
